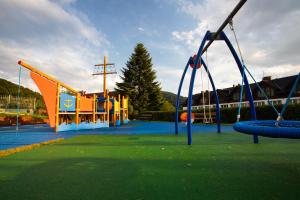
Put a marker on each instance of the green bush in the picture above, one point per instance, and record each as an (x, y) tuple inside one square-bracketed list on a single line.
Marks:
[(167, 106)]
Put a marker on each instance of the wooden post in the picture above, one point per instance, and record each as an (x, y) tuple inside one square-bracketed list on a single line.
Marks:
[(104, 77), (107, 109), (57, 107), (123, 110), (77, 108), (114, 114), (119, 99), (126, 109), (94, 108)]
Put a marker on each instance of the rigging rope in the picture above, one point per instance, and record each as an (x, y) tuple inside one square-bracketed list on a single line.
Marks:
[(236, 40), (18, 103)]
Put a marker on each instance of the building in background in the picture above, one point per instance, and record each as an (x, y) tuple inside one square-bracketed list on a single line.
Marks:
[(276, 89)]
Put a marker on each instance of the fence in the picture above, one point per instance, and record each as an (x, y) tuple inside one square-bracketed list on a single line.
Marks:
[(9, 103), (281, 101)]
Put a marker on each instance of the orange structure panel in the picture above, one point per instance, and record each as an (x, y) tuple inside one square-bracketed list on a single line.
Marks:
[(86, 104), (48, 89)]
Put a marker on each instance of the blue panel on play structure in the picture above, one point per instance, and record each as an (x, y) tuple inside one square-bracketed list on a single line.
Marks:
[(67, 102), (100, 105)]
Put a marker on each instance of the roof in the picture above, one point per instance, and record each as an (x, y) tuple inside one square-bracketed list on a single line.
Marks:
[(281, 87)]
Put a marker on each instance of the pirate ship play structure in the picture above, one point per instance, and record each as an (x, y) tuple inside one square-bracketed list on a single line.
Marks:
[(69, 109)]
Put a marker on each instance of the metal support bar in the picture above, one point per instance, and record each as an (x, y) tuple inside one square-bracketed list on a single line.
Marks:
[(224, 24)]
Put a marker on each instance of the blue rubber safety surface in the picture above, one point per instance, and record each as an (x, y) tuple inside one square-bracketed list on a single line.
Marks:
[(27, 134), (30, 134)]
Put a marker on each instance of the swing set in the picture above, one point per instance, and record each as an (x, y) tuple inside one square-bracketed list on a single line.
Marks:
[(207, 117), (269, 128)]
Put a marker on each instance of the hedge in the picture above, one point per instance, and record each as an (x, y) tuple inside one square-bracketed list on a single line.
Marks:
[(228, 115)]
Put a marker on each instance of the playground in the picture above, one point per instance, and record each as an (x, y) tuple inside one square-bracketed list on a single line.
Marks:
[(92, 149)]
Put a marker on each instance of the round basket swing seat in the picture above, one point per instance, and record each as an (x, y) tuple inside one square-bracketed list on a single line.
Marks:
[(268, 128)]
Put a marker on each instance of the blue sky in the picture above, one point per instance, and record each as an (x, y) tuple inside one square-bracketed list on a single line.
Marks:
[(125, 23), (65, 38)]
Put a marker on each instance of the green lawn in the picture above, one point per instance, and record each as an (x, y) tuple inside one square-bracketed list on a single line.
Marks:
[(217, 166)]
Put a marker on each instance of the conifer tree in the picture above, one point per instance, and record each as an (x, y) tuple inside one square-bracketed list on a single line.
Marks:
[(139, 81)]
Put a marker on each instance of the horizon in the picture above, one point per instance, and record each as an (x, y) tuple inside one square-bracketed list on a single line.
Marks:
[(65, 38), (112, 91)]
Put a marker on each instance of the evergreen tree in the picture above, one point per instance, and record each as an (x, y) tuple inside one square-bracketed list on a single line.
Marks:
[(139, 81)]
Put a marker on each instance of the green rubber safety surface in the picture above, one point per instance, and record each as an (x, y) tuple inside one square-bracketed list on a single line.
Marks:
[(216, 166)]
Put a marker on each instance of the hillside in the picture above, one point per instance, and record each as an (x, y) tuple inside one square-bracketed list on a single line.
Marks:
[(171, 97), (9, 88)]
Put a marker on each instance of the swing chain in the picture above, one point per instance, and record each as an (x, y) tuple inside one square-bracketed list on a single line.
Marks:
[(279, 118), (236, 40), (243, 73)]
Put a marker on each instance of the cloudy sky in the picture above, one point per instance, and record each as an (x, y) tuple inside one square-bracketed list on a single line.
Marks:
[(65, 38)]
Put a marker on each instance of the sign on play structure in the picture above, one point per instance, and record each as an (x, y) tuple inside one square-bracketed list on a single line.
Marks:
[(67, 102)]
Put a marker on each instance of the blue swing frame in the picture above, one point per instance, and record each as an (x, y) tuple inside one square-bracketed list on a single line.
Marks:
[(208, 37), (266, 128)]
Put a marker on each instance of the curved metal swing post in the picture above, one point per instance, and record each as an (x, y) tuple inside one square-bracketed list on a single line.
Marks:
[(191, 87), (247, 86), (178, 94), (202, 49), (218, 115)]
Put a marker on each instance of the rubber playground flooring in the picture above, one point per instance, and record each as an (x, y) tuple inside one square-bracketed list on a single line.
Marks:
[(154, 166), (29, 134)]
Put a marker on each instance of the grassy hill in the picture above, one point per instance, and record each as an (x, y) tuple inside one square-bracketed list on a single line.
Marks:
[(9, 88), (171, 97), (27, 96)]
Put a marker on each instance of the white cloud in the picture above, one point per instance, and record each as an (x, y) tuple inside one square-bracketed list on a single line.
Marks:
[(63, 44), (141, 29), (64, 2), (268, 33)]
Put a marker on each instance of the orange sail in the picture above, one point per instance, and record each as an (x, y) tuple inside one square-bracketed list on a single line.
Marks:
[(48, 89)]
